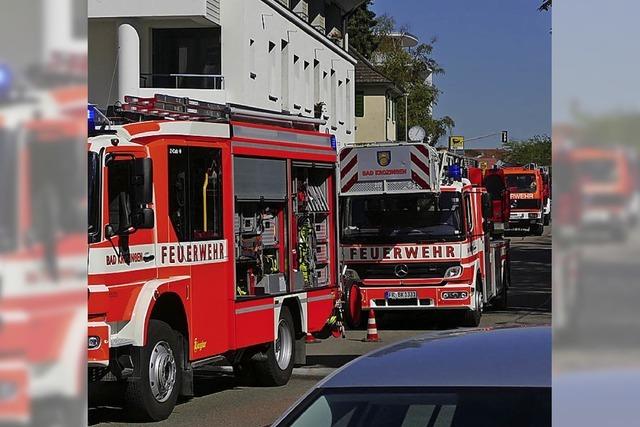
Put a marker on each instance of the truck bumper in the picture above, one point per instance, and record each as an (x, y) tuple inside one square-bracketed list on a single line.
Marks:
[(98, 344), (428, 298)]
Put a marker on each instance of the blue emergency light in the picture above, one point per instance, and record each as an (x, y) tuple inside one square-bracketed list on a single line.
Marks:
[(6, 79), (455, 172), (334, 142)]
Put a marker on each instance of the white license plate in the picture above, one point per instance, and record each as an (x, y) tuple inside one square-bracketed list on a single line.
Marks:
[(400, 294)]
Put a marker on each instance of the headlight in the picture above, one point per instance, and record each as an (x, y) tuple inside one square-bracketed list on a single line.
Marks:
[(454, 271), (455, 295), (94, 342)]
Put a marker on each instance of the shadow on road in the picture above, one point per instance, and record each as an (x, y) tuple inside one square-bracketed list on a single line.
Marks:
[(107, 404), (330, 361)]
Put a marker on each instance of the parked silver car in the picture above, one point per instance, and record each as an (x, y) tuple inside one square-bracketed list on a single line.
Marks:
[(490, 377)]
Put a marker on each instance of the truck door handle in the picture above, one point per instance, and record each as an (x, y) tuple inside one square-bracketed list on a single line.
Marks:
[(148, 257)]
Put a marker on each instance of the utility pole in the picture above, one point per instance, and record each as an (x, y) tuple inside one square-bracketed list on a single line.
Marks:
[(406, 117)]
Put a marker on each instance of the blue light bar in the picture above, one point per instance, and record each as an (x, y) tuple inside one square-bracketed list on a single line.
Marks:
[(334, 142), (455, 172)]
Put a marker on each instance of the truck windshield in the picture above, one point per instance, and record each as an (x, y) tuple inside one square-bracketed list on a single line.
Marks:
[(8, 191), (522, 183), (94, 195), (599, 171), (402, 218)]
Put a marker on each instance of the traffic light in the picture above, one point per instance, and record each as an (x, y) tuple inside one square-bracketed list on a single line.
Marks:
[(505, 137)]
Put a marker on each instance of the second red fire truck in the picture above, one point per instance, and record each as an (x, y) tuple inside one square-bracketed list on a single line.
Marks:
[(212, 239), (417, 235)]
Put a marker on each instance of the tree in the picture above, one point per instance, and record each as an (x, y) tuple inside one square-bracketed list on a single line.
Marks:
[(409, 69), (360, 28), (533, 150), (546, 5)]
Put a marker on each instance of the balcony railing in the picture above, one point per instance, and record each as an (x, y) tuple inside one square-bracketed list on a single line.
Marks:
[(182, 81)]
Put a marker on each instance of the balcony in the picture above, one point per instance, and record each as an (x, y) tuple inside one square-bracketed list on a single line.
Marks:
[(182, 81)]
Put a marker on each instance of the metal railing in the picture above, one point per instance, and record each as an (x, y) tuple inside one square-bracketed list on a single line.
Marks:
[(182, 81)]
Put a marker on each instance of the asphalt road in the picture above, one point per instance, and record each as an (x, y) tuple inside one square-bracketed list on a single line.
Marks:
[(221, 401), (604, 322)]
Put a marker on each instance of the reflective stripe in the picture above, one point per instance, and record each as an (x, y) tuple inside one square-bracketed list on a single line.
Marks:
[(320, 298), (255, 308)]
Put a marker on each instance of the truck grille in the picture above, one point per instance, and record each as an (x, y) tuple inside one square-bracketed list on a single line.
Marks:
[(427, 270)]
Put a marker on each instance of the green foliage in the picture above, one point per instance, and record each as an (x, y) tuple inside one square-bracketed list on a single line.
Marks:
[(546, 5), (409, 69), (360, 28), (533, 150)]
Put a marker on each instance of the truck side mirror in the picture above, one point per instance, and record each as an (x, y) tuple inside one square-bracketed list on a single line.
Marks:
[(142, 181), (143, 218)]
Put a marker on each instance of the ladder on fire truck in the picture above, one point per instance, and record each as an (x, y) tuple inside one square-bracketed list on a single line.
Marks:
[(167, 107)]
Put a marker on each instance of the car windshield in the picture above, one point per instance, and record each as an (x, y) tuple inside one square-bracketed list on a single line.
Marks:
[(477, 407), (522, 183), (402, 218)]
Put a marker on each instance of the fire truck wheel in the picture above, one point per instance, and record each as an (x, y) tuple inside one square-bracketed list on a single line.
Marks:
[(471, 318), (537, 229), (353, 307), (275, 369), (153, 395)]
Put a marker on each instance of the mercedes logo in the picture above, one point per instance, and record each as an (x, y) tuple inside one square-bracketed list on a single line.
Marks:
[(401, 270)]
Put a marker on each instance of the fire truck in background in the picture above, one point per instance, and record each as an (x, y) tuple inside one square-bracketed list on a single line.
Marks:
[(42, 251), (527, 192), (417, 232), (608, 182), (212, 240)]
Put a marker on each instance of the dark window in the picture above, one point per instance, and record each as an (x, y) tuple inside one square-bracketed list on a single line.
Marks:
[(469, 213), (195, 205), (119, 197), (193, 51), (359, 104), (94, 196)]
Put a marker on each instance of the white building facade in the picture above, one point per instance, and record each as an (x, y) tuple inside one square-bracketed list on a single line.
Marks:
[(277, 56)]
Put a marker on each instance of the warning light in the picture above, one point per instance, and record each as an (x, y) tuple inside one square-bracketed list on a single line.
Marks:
[(334, 142)]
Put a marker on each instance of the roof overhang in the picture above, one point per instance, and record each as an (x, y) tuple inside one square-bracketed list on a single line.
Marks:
[(347, 6)]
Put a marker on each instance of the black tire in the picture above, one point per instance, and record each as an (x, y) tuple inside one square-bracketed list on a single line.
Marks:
[(537, 229), (140, 395), (471, 318), (502, 300), (268, 372), (353, 322)]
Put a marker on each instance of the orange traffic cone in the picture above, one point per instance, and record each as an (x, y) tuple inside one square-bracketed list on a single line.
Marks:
[(310, 339), (372, 329)]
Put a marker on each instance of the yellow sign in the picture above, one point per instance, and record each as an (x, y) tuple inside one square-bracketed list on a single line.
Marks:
[(456, 142)]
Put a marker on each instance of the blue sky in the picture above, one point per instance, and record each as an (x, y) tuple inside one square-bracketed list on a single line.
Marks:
[(497, 60)]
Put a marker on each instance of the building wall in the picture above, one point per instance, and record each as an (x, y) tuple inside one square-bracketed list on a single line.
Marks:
[(273, 79), (378, 123), (270, 60)]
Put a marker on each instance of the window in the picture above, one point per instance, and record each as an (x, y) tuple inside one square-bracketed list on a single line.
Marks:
[(187, 51), (195, 186), (469, 213), (119, 194), (359, 104)]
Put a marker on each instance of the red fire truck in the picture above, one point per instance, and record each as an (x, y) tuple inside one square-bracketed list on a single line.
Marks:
[(526, 189), (42, 256), (212, 240), (416, 234)]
